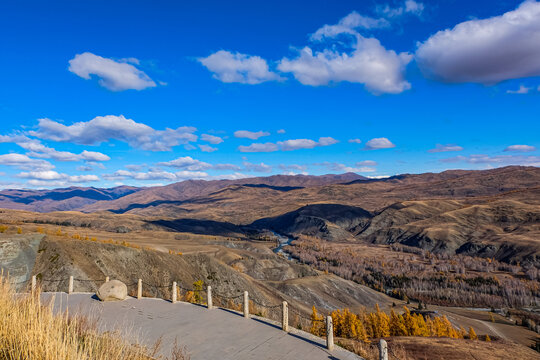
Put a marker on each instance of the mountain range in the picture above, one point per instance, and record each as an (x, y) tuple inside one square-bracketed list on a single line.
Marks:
[(490, 213)]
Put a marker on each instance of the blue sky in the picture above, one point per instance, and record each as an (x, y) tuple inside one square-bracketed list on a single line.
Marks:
[(143, 93)]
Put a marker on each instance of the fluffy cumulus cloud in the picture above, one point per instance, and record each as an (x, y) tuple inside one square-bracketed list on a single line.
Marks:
[(24, 162), (103, 128), (187, 163), (369, 63), (445, 148), (231, 67), (495, 160), (253, 135), (36, 149), (355, 141), (53, 178), (379, 143), (295, 144), (288, 145), (485, 51), (113, 75), (259, 147), (520, 148), (211, 139), (156, 174)]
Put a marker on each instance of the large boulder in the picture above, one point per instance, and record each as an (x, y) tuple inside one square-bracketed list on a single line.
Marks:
[(112, 291)]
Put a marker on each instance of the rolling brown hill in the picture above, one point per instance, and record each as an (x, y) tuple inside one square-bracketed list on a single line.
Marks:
[(491, 213), (177, 193)]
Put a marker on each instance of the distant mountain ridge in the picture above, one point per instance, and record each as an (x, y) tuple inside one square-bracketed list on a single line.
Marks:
[(62, 199), (82, 198)]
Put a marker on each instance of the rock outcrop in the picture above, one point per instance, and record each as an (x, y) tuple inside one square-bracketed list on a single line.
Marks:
[(112, 291)]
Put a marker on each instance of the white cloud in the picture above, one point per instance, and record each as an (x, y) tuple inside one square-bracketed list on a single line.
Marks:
[(155, 174), (295, 144), (234, 176), (288, 145), (520, 148), (44, 177), (281, 131), (379, 143), (261, 167), (24, 162), (325, 141), (94, 156), (355, 141), (497, 160), (259, 147), (114, 75), (211, 139), (292, 173), (228, 68), (188, 163), (409, 7), (522, 90), (380, 70), (349, 25), (485, 51), (250, 134), (414, 7), (38, 150), (207, 148), (103, 128), (444, 148)]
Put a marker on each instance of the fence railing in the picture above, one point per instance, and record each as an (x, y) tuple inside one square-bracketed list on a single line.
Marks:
[(211, 296)]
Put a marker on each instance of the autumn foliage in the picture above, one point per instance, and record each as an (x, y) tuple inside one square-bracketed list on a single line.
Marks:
[(372, 325)]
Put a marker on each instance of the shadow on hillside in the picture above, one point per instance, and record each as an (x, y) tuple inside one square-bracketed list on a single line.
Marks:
[(203, 227), (164, 202)]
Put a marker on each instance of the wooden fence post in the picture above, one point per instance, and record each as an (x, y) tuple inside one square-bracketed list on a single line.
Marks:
[(285, 317), (209, 297), (383, 350), (34, 283), (329, 334), (70, 286), (246, 304), (174, 292), (139, 289)]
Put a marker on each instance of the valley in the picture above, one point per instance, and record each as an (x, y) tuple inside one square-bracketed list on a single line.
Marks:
[(463, 244)]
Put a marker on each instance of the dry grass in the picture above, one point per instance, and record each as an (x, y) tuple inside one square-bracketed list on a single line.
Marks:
[(30, 330)]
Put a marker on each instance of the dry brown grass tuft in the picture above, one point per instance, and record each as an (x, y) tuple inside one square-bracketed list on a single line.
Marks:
[(30, 330)]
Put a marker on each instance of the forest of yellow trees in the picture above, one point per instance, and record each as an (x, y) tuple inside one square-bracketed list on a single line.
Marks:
[(372, 325)]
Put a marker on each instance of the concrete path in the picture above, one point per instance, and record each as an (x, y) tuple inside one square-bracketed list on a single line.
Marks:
[(208, 334)]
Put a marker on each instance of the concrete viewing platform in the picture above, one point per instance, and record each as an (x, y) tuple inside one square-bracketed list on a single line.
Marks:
[(207, 334)]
